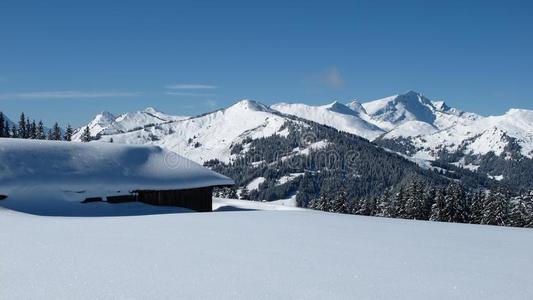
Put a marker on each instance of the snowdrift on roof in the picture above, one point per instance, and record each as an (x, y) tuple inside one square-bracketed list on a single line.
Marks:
[(71, 166)]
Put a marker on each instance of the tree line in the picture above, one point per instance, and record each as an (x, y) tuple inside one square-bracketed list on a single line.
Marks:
[(30, 129), (449, 203)]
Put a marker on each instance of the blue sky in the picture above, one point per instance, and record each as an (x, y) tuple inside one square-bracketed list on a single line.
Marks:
[(68, 60)]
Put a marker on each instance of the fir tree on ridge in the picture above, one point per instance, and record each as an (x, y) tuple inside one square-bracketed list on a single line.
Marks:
[(86, 135)]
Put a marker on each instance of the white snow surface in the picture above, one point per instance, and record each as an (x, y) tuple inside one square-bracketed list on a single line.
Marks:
[(335, 115), (254, 184), (255, 254), (96, 168), (411, 129)]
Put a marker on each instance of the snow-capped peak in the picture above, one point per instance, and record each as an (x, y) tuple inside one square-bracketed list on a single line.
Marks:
[(440, 105), (248, 104), (151, 110), (338, 107), (395, 110), (107, 123), (101, 120), (104, 117), (356, 106)]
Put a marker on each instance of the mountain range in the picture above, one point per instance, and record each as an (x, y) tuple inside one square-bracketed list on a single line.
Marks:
[(428, 127), (428, 134)]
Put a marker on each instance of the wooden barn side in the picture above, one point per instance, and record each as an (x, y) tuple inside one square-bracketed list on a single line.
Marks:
[(198, 199)]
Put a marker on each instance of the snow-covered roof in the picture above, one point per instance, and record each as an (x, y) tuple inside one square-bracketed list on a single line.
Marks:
[(71, 166)]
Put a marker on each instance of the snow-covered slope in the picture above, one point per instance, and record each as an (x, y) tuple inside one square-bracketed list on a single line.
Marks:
[(107, 123), (391, 112), (335, 115), (395, 110), (95, 168), (431, 126), (209, 136), (411, 128), (487, 134), (254, 254)]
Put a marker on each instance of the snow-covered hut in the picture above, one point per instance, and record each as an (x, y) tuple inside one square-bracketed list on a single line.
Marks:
[(105, 171)]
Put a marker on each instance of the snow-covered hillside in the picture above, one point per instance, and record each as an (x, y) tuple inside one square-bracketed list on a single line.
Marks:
[(255, 254), (481, 136), (335, 115), (431, 126), (107, 123), (208, 136)]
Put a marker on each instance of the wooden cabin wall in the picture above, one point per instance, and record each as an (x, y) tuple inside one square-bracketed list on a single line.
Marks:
[(199, 199)]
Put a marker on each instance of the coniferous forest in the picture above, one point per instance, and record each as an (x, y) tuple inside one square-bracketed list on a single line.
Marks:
[(353, 176)]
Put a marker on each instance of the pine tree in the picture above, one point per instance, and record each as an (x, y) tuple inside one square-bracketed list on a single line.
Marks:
[(455, 208), (40, 131), (32, 130), (21, 132), (438, 207), (86, 135), (399, 204), (2, 125), (415, 203), (56, 132), (49, 135), (68, 133), (429, 200), (354, 206), (245, 194), (476, 207), (340, 204), (368, 207), (324, 202), (14, 132), (232, 193), (496, 207), (521, 214), (28, 128), (313, 204), (384, 208)]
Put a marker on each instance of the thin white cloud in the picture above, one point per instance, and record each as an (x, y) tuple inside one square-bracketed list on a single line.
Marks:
[(67, 94), (189, 94), (332, 78), (211, 103), (191, 86)]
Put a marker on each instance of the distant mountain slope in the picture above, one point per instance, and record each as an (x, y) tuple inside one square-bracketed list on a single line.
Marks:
[(107, 123), (430, 130), (411, 124), (336, 115), (205, 137)]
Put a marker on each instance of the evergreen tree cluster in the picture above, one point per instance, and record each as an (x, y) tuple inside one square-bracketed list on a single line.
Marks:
[(449, 203), (30, 129), (226, 192)]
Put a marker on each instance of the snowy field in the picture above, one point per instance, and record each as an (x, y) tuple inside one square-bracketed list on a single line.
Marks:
[(247, 251)]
